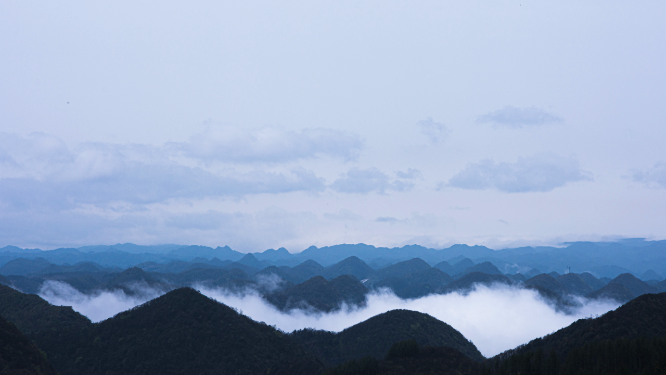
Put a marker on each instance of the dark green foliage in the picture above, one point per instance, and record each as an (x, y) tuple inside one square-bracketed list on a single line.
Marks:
[(417, 284), (574, 284), (485, 267), (592, 281), (445, 267), (635, 286), (32, 315), (401, 269), (26, 284), (349, 266), (19, 356), (462, 265), (546, 281), (375, 336), (352, 291), (364, 366), (79, 268), (320, 294), (305, 271), (210, 277), (518, 277), (428, 360), (403, 349), (660, 286), (183, 332), (23, 267), (614, 291), (619, 356), (650, 275), (643, 318), (134, 277), (467, 282)]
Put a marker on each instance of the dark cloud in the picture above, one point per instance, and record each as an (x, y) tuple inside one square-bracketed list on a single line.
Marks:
[(518, 117), (538, 173)]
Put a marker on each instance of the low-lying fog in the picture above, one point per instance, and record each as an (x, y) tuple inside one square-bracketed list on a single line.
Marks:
[(494, 319)]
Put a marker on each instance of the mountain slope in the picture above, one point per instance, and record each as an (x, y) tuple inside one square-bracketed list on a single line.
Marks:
[(349, 266), (320, 294), (18, 355), (645, 316), (375, 336), (181, 332)]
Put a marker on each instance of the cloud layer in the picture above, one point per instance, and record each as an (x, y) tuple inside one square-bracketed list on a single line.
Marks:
[(539, 173), (517, 316), (269, 145), (514, 117)]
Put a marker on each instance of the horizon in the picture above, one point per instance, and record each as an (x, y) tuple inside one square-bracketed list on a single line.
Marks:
[(558, 245), (292, 124)]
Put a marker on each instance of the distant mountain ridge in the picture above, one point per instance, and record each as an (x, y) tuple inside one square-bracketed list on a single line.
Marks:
[(605, 259)]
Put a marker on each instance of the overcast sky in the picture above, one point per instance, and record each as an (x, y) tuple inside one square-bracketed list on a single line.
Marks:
[(260, 124)]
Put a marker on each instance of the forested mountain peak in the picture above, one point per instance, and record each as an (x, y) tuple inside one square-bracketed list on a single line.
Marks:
[(644, 316), (184, 331), (18, 355)]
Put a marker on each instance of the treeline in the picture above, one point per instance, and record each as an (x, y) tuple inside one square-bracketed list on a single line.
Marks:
[(644, 356)]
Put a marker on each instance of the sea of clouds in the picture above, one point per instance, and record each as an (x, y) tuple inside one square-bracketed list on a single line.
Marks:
[(494, 318)]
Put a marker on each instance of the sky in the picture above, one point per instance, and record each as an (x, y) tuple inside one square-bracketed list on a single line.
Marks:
[(262, 124)]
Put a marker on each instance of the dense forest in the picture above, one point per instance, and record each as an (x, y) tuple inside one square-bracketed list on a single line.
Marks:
[(184, 331)]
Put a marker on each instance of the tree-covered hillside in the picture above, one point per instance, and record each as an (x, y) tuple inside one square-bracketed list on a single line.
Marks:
[(375, 336)]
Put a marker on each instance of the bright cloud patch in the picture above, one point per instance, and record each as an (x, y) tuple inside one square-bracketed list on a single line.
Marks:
[(653, 177), (517, 316), (514, 117), (541, 173)]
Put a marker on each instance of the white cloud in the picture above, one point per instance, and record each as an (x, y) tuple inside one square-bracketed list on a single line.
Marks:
[(435, 131), (269, 145), (541, 173), (98, 306), (363, 181), (652, 177), (41, 171), (517, 316), (513, 117)]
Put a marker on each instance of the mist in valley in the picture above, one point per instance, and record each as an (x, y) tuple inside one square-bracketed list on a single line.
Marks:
[(495, 318)]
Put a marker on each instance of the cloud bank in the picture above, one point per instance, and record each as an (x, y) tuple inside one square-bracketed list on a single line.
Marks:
[(517, 316), (98, 306), (516, 118), (268, 145), (539, 173)]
